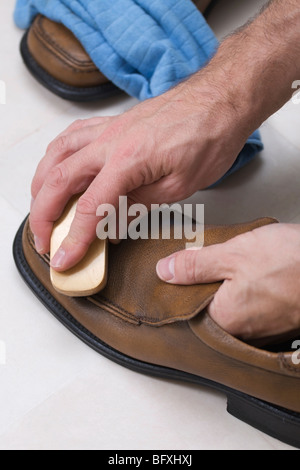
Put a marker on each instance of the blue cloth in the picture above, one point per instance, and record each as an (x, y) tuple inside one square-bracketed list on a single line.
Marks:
[(143, 46)]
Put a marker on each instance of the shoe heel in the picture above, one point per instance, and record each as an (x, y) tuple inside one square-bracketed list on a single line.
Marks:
[(277, 422)]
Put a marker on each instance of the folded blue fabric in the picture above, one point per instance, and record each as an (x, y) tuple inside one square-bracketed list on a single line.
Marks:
[(143, 46)]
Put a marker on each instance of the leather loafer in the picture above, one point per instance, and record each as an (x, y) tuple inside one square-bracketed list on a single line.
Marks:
[(164, 330), (58, 61), (56, 58)]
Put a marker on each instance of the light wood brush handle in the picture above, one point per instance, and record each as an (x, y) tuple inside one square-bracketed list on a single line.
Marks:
[(89, 276)]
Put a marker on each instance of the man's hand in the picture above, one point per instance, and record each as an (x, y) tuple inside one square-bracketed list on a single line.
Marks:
[(165, 149), (161, 151), (260, 295)]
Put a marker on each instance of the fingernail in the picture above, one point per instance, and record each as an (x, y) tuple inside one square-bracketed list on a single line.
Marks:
[(166, 269), (31, 204), (58, 258), (38, 245)]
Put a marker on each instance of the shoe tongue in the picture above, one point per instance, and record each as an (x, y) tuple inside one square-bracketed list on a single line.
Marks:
[(135, 292)]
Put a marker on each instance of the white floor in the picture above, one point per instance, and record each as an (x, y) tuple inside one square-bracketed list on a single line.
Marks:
[(55, 392)]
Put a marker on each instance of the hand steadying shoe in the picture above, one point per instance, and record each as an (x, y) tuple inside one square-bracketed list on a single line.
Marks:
[(260, 296)]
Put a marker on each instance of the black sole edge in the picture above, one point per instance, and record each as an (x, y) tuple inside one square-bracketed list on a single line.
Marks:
[(277, 422), (83, 95)]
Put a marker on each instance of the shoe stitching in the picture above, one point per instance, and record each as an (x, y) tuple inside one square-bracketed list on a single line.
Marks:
[(109, 85), (59, 307), (60, 59), (40, 30), (75, 65), (80, 327), (281, 357), (104, 302), (287, 365), (114, 308)]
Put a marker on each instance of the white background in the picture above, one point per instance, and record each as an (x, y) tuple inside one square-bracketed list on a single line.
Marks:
[(56, 393)]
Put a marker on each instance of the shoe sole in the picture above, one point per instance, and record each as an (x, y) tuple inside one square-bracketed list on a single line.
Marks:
[(59, 88), (275, 421)]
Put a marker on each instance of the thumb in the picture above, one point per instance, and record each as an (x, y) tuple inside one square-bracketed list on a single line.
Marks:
[(197, 266)]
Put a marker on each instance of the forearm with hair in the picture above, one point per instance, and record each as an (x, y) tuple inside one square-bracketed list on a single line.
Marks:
[(256, 66)]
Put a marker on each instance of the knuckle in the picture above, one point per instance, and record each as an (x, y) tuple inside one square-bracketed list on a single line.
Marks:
[(115, 128), (87, 205), (49, 147), (35, 186), (33, 223), (38, 179), (36, 225), (59, 145), (57, 178), (77, 124)]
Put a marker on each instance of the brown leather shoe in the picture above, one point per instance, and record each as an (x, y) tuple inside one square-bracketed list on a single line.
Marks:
[(58, 61), (163, 330)]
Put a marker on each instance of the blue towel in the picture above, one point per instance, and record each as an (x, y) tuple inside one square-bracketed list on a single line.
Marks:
[(143, 46)]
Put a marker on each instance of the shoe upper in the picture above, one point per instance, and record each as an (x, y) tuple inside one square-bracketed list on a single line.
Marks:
[(58, 52), (143, 318)]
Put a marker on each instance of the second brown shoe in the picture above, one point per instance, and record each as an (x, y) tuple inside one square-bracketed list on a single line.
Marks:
[(56, 58), (59, 62)]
